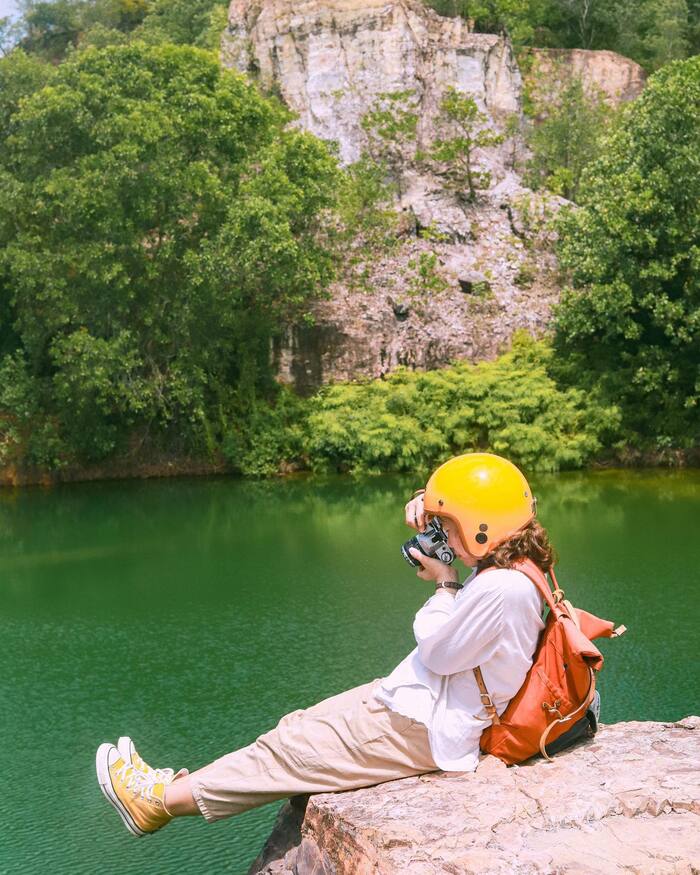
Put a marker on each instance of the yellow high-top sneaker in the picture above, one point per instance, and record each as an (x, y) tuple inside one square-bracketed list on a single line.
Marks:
[(129, 754), (136, 795)]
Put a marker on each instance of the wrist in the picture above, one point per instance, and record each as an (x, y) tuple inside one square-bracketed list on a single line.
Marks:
[(450, 586)]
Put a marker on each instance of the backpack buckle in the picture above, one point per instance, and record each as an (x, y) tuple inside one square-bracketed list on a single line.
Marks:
[(553, 709), (490, 708)]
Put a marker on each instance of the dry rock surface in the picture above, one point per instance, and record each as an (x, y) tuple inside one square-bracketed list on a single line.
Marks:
[(627, 801), (329, 61), (619, 78)]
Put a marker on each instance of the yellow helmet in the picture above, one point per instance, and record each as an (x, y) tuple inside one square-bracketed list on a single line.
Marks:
[(485, 495)]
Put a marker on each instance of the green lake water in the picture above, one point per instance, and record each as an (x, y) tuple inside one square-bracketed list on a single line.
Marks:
[(192, 614)]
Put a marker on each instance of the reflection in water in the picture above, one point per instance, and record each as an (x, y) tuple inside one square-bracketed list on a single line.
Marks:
[(192, 614)]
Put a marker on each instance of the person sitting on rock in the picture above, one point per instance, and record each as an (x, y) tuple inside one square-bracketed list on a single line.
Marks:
[(427, 714)]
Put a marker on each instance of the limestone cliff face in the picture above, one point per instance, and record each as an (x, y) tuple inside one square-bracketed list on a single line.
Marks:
[(329, 61), (619, 78), (626, 801)]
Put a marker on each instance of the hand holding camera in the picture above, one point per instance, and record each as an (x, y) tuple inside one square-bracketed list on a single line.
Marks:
[(415, 514), (430, 568), (428, 550)]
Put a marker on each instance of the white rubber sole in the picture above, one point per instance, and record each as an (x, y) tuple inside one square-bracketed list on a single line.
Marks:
[(105, 781)]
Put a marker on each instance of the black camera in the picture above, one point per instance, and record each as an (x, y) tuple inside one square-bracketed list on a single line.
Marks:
[(432, 542)]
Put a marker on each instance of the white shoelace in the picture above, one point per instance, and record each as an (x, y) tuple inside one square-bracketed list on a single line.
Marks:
[(164, 776), (139, 783)]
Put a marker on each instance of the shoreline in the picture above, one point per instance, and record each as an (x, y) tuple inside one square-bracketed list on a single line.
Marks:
[(12, 476)]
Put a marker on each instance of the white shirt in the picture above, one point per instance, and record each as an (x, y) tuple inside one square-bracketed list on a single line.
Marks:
[(493, 622)]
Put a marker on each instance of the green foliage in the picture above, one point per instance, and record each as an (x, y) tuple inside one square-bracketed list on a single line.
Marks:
[(390, 126), (157, 223), (185, 22), (53, 28), (651, 32), (432, 232), (364, 205), (267, 437), (462, 129), (413, 420), (9, 34), (102, 382), (367, 224), (425, 279), (565, 138), (629, 325), (26, 436), (519, 18), (20, 76)]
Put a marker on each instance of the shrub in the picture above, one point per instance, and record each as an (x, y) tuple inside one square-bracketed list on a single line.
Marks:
[(267, 437), (414, 420)]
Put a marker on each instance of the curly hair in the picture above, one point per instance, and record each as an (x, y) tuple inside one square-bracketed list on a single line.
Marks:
[(531, 542)]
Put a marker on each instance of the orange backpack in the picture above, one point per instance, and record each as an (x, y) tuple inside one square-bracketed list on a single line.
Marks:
[(558, 687)]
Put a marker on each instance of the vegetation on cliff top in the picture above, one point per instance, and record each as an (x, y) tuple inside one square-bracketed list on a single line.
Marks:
[(651, 32)]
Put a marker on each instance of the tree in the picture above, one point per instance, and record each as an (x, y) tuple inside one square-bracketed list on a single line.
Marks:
[(522, 20), (390, 126), (583, 16), (157, 223), (651, 32), (694, 27), (629, 323), (412, 420), (669, 37), (185, 22), (465, 129), (20, 76), (9, 35), (564, 137), (53, 28)]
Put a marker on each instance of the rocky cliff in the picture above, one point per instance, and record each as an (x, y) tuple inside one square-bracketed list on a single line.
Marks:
[(626, 801), (329, 61), (618, 78)]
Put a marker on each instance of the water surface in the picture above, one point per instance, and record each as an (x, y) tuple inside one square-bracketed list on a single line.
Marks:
[(192, 614)]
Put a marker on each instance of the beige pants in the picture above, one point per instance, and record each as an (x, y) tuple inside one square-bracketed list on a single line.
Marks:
[(344, 742)]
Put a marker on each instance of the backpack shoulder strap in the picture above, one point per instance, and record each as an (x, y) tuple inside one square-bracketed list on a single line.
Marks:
[(537, 576), (486, 700)]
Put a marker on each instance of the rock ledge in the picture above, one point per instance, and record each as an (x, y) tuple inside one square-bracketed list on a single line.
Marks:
[(626, 801)]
